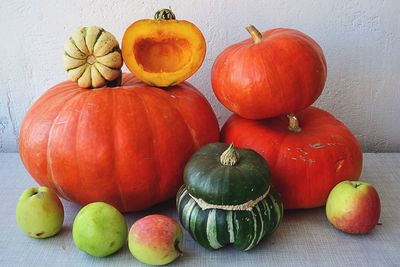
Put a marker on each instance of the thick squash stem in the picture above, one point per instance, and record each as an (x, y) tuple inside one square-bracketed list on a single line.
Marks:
[(230, 157), (164, 14), (293, 123), (255, 34)]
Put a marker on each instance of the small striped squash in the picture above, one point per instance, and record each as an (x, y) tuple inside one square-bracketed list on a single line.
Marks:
[(215, 228)]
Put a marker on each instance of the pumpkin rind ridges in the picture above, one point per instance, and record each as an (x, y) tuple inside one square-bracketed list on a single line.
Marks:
[(97, 77), (71, 63), (75, 73), (79, 40), (322, 145), (92, 34), (106, 72), (83, 187), (283, 72), (86, 78), (112, 60), (73, 50), (104, 44)]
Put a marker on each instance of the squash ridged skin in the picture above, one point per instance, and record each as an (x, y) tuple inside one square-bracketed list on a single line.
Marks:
[(283, 73), (215, 228), (207, 179), (126, 146), (305, 165), (92, 57)]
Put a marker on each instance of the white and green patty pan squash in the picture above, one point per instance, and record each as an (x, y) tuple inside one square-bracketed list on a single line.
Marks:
[(227, 198), (92, 57)]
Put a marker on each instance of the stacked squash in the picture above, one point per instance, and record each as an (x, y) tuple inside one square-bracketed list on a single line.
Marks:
[(107, 136), (270, 81)]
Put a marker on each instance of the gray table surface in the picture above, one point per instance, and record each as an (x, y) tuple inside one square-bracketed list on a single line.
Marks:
[(305, 237)]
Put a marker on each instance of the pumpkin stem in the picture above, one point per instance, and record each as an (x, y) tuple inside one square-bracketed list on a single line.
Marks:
[(164, 14), (293, 123), (255, 34), (229, 157)]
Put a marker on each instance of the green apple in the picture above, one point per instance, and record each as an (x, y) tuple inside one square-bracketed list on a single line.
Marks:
[(155, 240), (40, 212), (353, 207), (99, 229)]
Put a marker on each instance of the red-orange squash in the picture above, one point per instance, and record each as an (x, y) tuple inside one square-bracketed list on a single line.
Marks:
[(126, 145), (278, 72), (307, 156), (163, 51)]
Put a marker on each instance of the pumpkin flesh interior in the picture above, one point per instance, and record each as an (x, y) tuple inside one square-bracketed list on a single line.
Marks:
[(163, 53), (166, 55)]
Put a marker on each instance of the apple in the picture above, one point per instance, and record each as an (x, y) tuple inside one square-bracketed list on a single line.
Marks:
[(353, 207), (156, 240), (99, 229), (39, 212)]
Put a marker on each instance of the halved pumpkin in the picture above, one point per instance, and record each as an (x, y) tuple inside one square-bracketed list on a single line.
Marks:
[(163, 51)]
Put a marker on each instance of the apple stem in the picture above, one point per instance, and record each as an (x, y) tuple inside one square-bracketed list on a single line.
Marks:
[(176, 245)]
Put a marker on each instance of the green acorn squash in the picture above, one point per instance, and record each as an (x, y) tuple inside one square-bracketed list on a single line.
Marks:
[(227, 198)]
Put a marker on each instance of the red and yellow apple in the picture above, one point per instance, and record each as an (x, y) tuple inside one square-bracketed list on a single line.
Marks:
[(155, 240), (39, 212), (353, 207)]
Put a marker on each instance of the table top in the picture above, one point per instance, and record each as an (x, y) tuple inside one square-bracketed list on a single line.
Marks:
[(305, 237)]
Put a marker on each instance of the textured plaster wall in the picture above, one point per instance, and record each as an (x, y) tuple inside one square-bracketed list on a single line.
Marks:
[(361, 40)]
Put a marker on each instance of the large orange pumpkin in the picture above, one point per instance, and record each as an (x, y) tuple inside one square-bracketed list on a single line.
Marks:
[(278, 72), (126, 145), (307, 156)]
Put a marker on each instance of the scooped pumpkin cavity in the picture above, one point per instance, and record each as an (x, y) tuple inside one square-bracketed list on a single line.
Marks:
[(163, 51)]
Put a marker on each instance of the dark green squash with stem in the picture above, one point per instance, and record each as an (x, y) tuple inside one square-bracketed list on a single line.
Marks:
[(227, 198)]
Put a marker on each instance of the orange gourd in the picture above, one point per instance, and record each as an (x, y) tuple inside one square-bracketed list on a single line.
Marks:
[(126, 145), (278, 72), (308, 154)]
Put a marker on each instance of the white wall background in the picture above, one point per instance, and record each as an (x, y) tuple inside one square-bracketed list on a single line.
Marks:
[(361, 40)]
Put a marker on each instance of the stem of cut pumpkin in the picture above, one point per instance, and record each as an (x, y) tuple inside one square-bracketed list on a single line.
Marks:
[(255, 34), (229, 157), (164, 14), (293, 123)]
